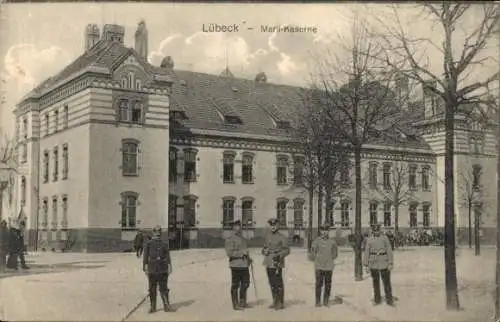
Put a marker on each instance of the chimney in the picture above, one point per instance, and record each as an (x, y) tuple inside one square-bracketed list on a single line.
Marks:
[(92, 36), (261, 77), (167, 63), (113, 33), (141, 40)]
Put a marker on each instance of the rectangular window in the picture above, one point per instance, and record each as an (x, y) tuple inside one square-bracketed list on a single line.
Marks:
[(228, 168), (227, 213), (298, 171), (137, 113), (130, 155), (189, 212), (24, 154), (426, 215), (56, 164), (64, 220), (47, 123), (56, 120), (425, 179), (247, 213), (172, 211), (123, 111), (281, 212), (45, 166), (330, 213), (23, 191), (281, 169), (172, 166), (65, 162), (298, 214), (25, 128), (66, 116), (344, 214), (129, 211), (413, 215), (387, 176), (247, 169), (373, 213), (54, 213), (476, 177), (373, 175), (45, 211), (412, 177), (387, 214), (189, 165)]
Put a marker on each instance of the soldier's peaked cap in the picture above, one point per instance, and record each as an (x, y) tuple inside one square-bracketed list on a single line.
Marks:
[(272, 221), (376, 227), (157, 229), (236, 222)]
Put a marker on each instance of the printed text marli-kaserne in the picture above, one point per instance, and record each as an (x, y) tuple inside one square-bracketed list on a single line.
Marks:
[(289, 28), (216, 27)]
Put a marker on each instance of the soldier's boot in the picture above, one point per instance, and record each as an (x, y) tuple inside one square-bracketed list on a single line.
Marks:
[(166, 303), (152, 299), (280, 295), (318, 297), (326, 300), (275, 299), (243, 299), (234, 299)]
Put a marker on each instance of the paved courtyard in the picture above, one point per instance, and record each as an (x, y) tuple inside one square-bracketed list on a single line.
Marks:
[(106, 287)]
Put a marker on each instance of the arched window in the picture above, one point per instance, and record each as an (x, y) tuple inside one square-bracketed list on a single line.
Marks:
[(281, 205), (124, 82), (123, 110), (190, 211), (130, 157), (298, 213), (138, 84), (228, 204), (129, 209), (247, 204), (172, 210), (130, 79), (136, 112), (172, 166)]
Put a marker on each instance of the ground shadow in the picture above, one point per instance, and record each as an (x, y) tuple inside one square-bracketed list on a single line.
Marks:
[(257, 303), (182, 304), (294, 302), (37, 269)]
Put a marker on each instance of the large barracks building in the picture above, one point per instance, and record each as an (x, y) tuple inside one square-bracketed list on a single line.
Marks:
[(111, 145)]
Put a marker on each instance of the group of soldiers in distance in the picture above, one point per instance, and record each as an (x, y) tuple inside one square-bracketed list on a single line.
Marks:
[(12, 247), (377, 260)]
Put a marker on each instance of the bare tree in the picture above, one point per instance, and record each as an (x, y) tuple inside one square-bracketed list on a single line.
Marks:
[(360, 104), (8, 169), (454, 87), (318, 165)]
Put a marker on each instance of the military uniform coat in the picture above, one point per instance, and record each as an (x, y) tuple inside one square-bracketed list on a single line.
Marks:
[(156, 256), (378, 252), (277, 245), (324, 251), (237, 251)]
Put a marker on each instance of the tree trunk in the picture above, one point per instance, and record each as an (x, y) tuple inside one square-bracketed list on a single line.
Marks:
[(396, 225), (310, 227), (452, 302), (328, 211), (477, 239), (358, 266), (497, 277), (320, 206), (470, 224)]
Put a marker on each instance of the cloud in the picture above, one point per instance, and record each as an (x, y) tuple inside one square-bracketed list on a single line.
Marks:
[(27, 65), (161, 52)]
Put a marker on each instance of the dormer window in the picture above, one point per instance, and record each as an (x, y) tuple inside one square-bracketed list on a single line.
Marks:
[(231, 119), (124, 82), (283, 124), (176, 117)]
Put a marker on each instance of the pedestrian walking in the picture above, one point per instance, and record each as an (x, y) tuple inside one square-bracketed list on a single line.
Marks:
[(275, 250), (22, 259), (324, 251), (378, 260), (14, 247), (139, 243), (239, 262), (158, 266)]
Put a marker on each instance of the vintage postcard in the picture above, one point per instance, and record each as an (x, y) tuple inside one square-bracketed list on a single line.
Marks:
[(249, 162)]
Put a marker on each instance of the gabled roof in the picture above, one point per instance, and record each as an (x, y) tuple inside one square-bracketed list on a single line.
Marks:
[(104, 54), (260, 105)]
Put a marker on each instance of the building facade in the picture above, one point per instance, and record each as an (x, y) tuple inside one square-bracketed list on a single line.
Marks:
[(112, 145)]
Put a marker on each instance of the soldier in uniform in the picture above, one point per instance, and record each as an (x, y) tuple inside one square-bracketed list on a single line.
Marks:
[(324, 251), (378, 260), (158, 266), (239, 261), (275, 250)]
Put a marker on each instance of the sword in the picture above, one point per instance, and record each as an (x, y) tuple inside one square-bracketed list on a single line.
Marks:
[(136, 307), (253, 282)]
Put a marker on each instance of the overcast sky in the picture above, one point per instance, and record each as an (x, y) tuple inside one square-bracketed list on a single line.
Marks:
[(38, 40)]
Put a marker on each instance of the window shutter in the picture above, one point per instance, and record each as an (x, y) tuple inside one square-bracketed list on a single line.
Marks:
[(197, 158), (140, 160)]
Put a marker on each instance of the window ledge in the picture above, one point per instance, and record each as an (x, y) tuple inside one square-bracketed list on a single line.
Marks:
[(248, 182), (229, 182), (129, 229), (130, 174), (282, 183)]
